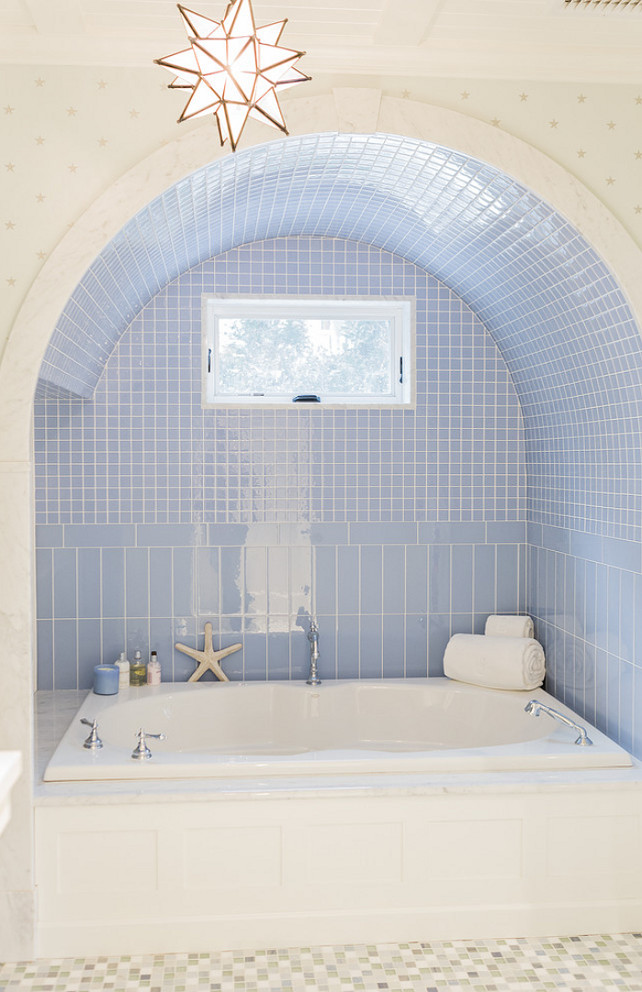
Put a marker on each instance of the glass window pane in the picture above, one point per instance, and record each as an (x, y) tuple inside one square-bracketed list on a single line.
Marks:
[(304, 355)]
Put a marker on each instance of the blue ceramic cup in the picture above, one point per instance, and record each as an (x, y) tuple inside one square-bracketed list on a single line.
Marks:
[(106, 680)]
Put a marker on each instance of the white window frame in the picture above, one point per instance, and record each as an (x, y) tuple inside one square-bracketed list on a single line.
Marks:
[(399, 309)]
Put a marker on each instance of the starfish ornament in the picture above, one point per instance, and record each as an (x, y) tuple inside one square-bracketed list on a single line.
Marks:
[(233, 69), (208, 658)]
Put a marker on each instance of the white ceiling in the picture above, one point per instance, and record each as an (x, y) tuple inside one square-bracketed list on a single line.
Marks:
[(501, 39)]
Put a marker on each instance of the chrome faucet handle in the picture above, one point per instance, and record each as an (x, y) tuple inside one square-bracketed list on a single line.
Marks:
[(93, 742), (534, 707), (141, 752), (314, 625)]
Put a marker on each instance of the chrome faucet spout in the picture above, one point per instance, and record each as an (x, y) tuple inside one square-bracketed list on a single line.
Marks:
[(534, 707), (313, 637)]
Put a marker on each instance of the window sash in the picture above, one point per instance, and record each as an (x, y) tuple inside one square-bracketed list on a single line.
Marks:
[(398, 311)]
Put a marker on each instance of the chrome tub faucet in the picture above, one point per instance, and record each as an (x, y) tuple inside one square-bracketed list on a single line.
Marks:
[(535, 708), (313, 637)]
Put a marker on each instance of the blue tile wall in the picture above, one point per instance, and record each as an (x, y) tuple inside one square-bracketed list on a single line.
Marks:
[(586, 600), (142, 450), (562, 322), (155, 516), (386, 607)]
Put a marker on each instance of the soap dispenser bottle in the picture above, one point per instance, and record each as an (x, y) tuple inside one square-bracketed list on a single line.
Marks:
[(153, 670), (123, 671), (137, 670)]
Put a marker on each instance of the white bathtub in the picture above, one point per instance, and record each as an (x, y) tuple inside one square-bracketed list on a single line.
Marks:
[(285, 728)]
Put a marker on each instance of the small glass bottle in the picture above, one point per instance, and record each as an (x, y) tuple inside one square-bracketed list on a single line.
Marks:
[(123, 671), (154, 670), (137, 670)]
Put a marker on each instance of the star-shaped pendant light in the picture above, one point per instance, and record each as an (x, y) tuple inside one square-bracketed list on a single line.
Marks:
[(233, 69)]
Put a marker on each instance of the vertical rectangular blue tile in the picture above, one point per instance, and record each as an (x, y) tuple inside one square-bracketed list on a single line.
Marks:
[(637, 637), (508, 578), (137, 637), (44, 584), (371, 579), (560, 586), (255, 657), (65, 655), (590, 682), (416, 646), (207, 581), (522, 599), (300, 580), (256, 594), (625, 734), (568, 612), (394, 646), (370, 647), (601, 606), (325, 581), (347, 580), (462, 578), (627, 615), (438, 637), (232, 587), (417, 586), (348, 647), (113, 582), (485, 578), (88, 651), (89, 595), (278, 581), (394, 579), (161, 641), (576, 647), (613, 697), (64, 583), (613, 610), (601, 689), (182, 666), (439, 579), (183, 582), (580, 598), (136, 582), (113, 641), (550, 591), (590, 619), (44, 632), (160, 582), (278, 655)]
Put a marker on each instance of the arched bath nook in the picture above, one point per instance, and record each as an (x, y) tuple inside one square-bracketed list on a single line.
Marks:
[(513, 236)]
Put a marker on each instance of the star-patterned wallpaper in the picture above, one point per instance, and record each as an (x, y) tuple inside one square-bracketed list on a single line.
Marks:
[(67, 133)]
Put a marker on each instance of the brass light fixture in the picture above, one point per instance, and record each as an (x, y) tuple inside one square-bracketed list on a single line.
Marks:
[(233, 69)]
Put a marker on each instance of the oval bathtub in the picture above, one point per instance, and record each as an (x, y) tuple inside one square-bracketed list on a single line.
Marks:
[(290, 728)]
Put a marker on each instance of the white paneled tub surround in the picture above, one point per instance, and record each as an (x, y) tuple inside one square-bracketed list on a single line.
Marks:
[(263, 860), (289, 728)]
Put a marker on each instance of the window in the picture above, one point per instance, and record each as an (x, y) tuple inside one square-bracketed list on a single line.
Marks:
[(267, 350)]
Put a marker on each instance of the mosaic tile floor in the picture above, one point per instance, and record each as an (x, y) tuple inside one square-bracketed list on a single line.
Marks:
[(574, 964)]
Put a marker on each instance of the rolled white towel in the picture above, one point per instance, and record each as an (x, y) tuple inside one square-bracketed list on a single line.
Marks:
[(505, 625), (495, 662)]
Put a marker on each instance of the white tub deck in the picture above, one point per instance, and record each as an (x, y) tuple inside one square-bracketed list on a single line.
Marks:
[(397, 726)]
